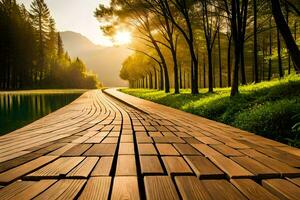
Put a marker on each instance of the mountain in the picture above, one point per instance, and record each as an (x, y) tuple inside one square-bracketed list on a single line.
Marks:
[(104, 61)]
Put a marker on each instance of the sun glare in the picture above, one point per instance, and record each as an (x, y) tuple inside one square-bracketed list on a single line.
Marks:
[(122, 37)]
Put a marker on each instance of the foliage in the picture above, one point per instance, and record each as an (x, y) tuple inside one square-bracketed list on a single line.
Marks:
[(31, 51), (266, 108)]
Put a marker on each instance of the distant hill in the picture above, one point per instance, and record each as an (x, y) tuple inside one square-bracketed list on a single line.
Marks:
[(105, 61)]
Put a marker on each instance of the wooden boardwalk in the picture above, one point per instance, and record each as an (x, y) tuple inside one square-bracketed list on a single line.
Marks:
[(115, 146)]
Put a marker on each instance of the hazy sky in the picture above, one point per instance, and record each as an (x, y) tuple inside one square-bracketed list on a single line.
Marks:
[(77, 16)]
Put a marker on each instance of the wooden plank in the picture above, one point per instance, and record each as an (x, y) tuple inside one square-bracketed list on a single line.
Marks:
[(232, 169), (278, 166), (63, 189), (61, 150), (150, 165), (21, 170), (77, 150), (208, 140), (191, 188), (206, 150), (96, 188), (222, 189), (4, 166), (126, 166), (226, 150), (204, 168), (192, 140), (125, 188), (160, 187), (166, 150), (14, 189), (95, 139), (60, 167), (84, 168), (126, 138), (252, 190), (167, 139), (103, 167), (126, 149), (34, 190), (282, 188), (110, 140), (143, 139), (282, 156), (176, 165), (101, 150), (186, 149), (255, 167), (295, 181), (147, 149)]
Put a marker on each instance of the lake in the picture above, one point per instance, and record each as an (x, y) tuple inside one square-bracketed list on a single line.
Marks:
[(18, 109)]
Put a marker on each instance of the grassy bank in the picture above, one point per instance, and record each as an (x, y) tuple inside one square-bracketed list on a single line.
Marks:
[(266, 108)]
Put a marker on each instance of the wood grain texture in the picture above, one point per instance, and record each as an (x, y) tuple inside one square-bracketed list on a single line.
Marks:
[(63, 189), (166, 150), (255, 167), (84, 168), (96, 188), (125, 188), (252, 190), (192, 188), (147, 149), (101, 150), (160, 187), (176, 165), (204, 168), (282, 188), (126, 165), (231, 168), (21, 170), (103, 167), (222, 189), (150, 165)]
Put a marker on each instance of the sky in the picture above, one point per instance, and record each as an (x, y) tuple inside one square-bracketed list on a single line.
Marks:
[(77, 16)]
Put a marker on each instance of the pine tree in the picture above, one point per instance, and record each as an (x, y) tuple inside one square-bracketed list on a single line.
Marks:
[(40, 15)]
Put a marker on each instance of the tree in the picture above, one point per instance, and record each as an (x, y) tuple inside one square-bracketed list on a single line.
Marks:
[(286, 34), (41, 18)]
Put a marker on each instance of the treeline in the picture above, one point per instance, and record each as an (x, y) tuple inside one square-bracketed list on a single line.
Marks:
[(32, 53), (206, 43)]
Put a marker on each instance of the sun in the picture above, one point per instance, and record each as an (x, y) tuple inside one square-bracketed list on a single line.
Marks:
[(122, 38)]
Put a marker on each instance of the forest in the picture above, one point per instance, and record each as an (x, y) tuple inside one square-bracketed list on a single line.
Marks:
[(31, 51), (205, 43)]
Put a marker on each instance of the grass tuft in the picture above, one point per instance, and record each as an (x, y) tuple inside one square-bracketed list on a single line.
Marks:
[(266, 108)]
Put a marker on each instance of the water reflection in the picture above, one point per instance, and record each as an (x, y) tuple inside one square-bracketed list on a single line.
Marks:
[(17, 110)]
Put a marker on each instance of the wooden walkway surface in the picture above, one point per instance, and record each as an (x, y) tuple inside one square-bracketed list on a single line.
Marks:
[(114, 146)]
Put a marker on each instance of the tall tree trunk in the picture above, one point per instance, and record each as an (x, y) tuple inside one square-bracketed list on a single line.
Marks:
[(210, 70), (270, 51), (180, 76), (255, 61), (176, 79), (286, 34), (229, 61), (242, 59), (220, 59), (287, 21), (204, 71), (280, 70)]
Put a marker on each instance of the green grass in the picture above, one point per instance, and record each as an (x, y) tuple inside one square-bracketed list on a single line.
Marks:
[(266, 108)]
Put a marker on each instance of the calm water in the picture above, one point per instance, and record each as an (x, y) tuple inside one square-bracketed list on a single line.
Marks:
[(17, 110)]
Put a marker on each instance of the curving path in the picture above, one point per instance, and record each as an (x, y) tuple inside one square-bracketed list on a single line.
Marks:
[(114, 146)]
